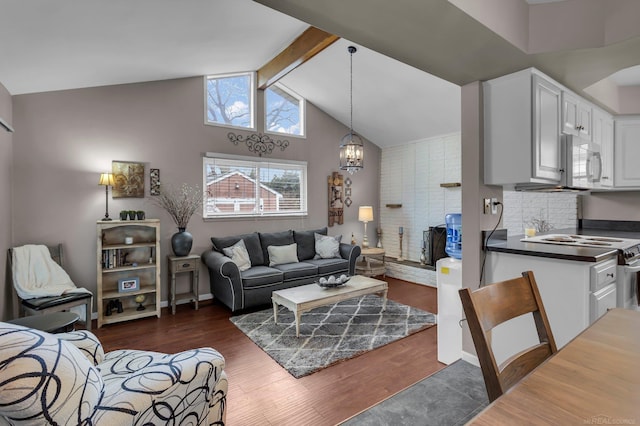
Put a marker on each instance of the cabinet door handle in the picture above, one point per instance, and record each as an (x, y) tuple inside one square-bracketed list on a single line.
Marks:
[(185, 265), (610, 275)]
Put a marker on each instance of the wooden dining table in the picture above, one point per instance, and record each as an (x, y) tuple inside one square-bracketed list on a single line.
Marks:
[(593, 380)]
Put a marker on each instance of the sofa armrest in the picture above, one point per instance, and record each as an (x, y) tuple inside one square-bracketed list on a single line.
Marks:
[(351, 253), (86, 342), (224, 279)]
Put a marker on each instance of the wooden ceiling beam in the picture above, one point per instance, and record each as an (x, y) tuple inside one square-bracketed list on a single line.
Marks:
[(311, 42)]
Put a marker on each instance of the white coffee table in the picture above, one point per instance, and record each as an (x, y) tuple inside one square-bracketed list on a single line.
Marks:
[(304, 298)]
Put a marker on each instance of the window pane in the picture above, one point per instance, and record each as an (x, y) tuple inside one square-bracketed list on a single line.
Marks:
[(285, 184), (252, 188), (230, 100), (284, 112), (230, 187)]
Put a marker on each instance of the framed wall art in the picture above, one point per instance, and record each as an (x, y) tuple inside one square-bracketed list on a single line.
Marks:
[(129, 179), (336, 199), (154, 181), (128, 284)]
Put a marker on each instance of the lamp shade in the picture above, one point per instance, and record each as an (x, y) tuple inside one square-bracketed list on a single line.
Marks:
[(365, 214), (106, 179)]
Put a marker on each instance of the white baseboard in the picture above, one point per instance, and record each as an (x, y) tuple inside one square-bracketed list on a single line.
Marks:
[(470, 358), (165, 303)]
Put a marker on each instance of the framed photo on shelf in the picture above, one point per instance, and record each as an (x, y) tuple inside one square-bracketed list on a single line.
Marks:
[(128, 284)]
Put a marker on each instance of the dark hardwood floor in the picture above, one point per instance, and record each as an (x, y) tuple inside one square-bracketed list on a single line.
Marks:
[(263, 393)]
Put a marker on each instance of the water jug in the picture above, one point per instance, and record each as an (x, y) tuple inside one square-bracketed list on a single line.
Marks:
[(454, 235)]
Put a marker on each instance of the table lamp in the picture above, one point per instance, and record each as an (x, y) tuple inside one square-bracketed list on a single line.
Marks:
[(365, 214), (106, 180)]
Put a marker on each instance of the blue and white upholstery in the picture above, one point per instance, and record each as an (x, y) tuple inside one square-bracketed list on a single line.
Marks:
[(67, 379)]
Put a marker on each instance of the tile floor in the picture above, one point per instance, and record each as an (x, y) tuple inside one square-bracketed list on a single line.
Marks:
[(452, 396)]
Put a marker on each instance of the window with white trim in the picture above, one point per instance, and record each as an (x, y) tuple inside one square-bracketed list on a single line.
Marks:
[(284, 111), (238, 186), (230, 100)]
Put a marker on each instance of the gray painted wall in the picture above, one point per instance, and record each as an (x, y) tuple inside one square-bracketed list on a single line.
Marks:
[(68, 138), (6, 154)]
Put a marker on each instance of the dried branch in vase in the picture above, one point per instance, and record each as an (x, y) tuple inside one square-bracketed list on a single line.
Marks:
[(181, 203)]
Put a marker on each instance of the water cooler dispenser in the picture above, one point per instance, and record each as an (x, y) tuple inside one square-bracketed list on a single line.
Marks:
[(449, 280), (454, 235)]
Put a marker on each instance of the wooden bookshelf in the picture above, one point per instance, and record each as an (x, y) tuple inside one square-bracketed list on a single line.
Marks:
[(116, 260)]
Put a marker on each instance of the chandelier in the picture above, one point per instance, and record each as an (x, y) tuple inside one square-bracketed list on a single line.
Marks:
[(351, 145)]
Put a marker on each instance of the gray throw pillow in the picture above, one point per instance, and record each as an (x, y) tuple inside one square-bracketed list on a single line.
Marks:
[(307, 243), (274, 239), (279, 255), (239, 255), (251, 242), (327, 247)]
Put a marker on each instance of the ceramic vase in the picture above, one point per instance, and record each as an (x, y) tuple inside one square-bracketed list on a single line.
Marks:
[(181, 242)]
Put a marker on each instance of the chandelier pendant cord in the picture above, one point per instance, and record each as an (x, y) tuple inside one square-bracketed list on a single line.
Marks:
[(352, 50)]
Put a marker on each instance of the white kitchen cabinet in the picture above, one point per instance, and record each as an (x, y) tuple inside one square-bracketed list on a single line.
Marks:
[(603, 136), (522, 129), (627, 152), (565, 288), (576, 116)]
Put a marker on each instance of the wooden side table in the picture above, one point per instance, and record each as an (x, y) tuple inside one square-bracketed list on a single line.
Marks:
[(179, 264), (372, 267)]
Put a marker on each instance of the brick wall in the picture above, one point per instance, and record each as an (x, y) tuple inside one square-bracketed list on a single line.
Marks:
[(411, 175)]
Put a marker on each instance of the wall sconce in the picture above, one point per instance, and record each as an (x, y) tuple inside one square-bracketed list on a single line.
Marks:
[(106, 180), (365, 214)]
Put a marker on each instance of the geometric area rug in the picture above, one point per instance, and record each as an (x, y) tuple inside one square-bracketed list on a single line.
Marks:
[(330, 334)]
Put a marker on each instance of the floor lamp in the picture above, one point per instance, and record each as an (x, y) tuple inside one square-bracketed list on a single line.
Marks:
[(106, 180)]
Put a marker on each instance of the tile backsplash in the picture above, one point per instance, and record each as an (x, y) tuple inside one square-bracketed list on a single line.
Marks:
[(555, 209)]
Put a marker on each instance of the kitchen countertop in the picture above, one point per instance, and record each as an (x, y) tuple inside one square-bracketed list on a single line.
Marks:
[(499, 241)]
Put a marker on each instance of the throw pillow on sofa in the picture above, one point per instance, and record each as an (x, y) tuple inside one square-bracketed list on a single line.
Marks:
[(251, 242), (239, 255), (279, 255), (267, 239), (327, 247), (307, 243)]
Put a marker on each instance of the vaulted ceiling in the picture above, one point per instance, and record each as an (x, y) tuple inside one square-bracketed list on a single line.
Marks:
[(412, 54)]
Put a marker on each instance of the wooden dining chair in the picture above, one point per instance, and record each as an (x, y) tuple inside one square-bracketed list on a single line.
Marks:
[(495, 304)]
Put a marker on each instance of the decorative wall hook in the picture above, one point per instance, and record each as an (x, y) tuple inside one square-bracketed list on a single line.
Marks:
[(258, 143)]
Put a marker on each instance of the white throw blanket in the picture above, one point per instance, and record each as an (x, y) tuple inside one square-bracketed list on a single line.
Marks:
[(35, 274)]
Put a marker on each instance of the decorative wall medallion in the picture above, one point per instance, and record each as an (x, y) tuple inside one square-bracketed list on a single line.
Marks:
[(347, 192), (258, 143)]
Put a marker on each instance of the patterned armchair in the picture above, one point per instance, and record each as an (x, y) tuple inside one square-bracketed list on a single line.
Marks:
[(68, 379)]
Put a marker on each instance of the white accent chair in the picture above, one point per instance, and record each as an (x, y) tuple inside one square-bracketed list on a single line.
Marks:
[(68, 379)]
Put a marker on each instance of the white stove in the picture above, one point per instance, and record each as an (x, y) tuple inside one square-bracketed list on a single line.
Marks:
[(628, 270), (629, 247)]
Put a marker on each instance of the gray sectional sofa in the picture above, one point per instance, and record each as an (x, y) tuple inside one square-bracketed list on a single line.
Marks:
[(253, 287)]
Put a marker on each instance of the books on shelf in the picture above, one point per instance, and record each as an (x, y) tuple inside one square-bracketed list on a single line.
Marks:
[(118, 258)]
